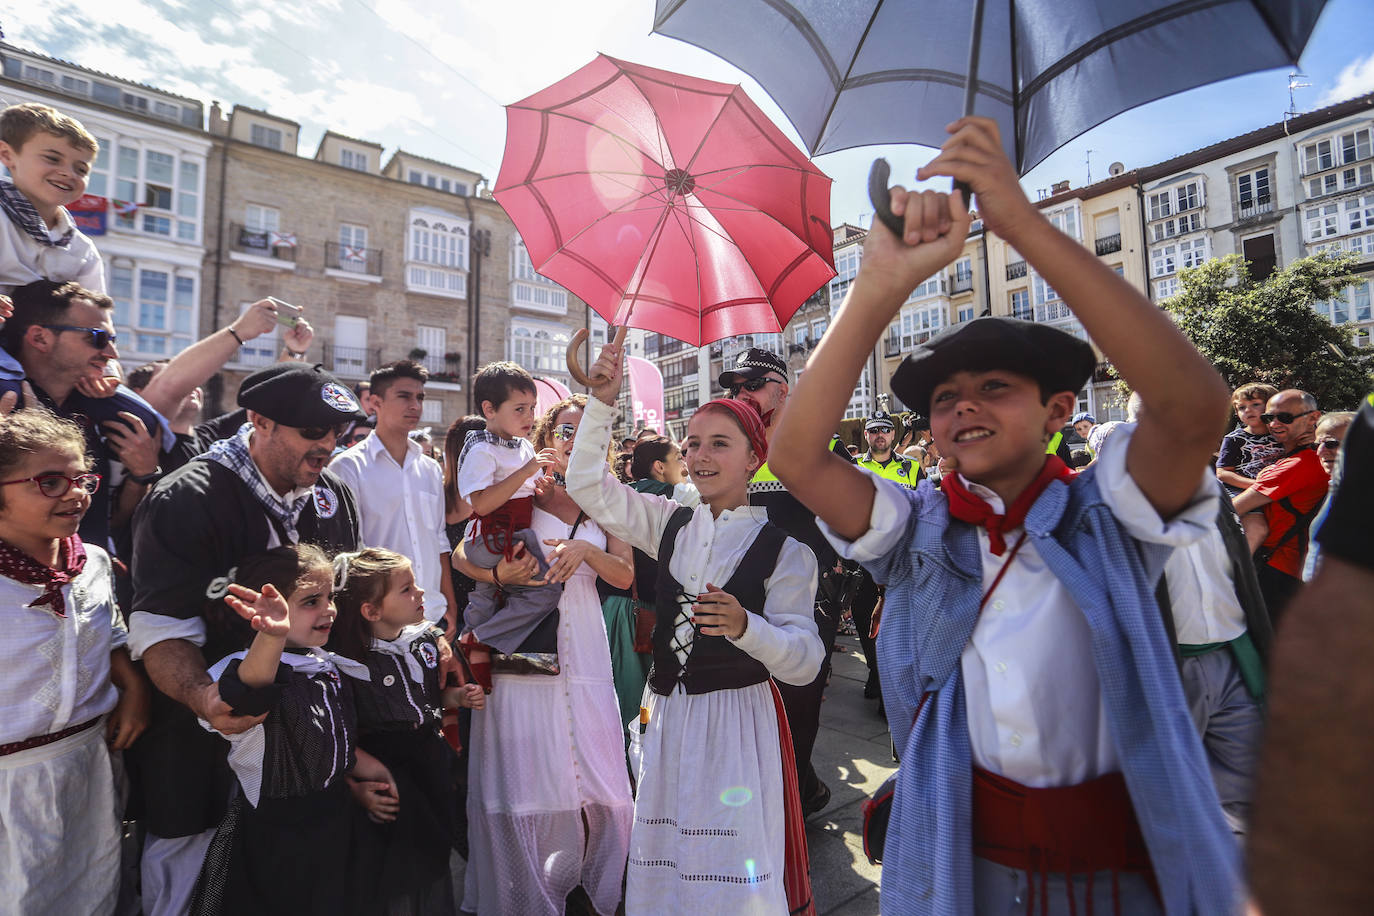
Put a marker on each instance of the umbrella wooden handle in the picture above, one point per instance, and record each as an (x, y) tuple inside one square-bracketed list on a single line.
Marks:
[(575, 368), (878, 195)]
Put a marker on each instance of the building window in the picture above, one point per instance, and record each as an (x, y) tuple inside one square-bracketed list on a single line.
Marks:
[(1252, 191), (261, 219), (538, 347), (1192, 252), (74, 85), (1066, 220), (1352, 306), (1322, 222), (1049, 306), (153, 192), (154, 311), (432, 412), (39, 75), (846, 268), (1020, 305), (437, 252), (916, 325), (965, 314), (862, 397), (1340, 150), (1179, 225), (931, 287), (188, 201), (963, 271), (1359, 213), (351, 160), (262, 135), (98, 182), (1161, 204), (818, 327)]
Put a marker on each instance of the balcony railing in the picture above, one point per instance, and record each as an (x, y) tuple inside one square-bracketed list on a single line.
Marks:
[(1016, 270), (262, 242), (1256, 208), (1109, 243), (353, 259), (961, 284), (352, 362), (892, 346)]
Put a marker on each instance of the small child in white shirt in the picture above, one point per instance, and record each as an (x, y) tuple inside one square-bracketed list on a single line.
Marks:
[(496, 474)]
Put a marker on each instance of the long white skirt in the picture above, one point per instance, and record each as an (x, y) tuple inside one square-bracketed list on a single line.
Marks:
[(708, 833), (59, 828), (549, 802)]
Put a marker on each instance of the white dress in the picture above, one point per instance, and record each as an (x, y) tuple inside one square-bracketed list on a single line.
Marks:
[(546, 755), (709, 831)]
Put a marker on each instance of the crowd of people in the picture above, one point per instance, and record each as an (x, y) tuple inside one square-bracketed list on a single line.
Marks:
[(290, 659)]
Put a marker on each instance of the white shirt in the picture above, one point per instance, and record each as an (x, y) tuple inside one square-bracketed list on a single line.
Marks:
[(401, 508), (1033, 698), (1202, 592), (486, 464), (24, 260), (708, 550), (56, 670)]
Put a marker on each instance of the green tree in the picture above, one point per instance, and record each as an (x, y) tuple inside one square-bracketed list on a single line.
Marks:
[(1267, 330)]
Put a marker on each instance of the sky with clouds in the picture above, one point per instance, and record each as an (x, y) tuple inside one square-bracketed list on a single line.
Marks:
[(431, 75)]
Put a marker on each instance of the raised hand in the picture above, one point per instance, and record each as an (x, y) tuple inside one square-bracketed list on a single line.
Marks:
[(258, 319), (298, 338), (974, 155), (267, 610), (609, 365), (719, 613)]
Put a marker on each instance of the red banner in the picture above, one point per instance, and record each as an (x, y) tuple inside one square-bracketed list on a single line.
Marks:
[(89, 213), (646, 393)]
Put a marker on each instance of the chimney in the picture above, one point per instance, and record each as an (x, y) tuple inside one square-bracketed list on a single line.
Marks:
[(1059, 187), (219, 124)]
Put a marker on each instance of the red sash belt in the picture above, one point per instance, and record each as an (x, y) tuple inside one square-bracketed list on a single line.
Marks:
[(30, 743), (498, 529), (1068, 830)]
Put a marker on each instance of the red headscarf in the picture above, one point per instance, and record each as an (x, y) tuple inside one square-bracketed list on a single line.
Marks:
[(746, 414)]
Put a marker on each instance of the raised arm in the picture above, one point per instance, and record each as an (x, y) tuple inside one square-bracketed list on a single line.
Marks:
[(193, 366), (1187, 402), (836, 490)]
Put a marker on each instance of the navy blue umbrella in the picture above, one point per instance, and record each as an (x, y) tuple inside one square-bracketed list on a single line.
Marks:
[(861, 72)]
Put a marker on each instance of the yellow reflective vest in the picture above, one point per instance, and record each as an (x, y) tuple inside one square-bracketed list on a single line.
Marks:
[(903, 471)]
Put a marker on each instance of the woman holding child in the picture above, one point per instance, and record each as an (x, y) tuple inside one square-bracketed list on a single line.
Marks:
[(549, 804)]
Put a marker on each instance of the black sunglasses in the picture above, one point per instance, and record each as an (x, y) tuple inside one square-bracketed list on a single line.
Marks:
[(100, 338), (316, 433), (756, 384), (1331, 445), (1283, 417)]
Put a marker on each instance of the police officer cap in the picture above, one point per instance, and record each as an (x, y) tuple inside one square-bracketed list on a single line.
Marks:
[(1057, 361), (752, 363), (302, 396), (881, 419)]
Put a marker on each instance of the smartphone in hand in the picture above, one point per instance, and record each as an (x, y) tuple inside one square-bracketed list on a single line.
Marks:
[(288, 315)]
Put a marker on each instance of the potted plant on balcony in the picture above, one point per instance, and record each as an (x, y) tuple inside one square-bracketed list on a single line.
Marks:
[(417, 353)]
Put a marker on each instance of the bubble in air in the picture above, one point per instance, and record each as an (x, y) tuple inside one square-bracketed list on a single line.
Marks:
[(736, 796)]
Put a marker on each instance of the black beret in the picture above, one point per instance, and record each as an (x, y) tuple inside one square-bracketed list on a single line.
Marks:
[(302, 396), (752, 363), (1057, 361)]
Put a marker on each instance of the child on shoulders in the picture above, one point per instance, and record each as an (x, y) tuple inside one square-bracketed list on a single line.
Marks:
[(496, 475), (1046, 745)]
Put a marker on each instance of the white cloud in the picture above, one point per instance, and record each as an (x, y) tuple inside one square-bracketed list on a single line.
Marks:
[(1356, 79)]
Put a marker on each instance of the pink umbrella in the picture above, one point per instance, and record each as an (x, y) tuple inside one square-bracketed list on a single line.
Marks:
[(665, 202), (548, 393)]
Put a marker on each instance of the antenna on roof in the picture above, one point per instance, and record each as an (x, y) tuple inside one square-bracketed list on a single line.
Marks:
[(1296, 80), (1088, 161)]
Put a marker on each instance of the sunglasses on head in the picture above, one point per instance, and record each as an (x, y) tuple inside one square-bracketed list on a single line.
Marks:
[(1283, 417), (99, 337), (56, 486), (1331, 445), (756, 384), (564, 432)]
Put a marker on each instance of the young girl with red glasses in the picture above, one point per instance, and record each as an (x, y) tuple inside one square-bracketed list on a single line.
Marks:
[(69, 696)]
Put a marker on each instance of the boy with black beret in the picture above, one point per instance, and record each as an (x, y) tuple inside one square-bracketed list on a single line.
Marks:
[(1048, 757)]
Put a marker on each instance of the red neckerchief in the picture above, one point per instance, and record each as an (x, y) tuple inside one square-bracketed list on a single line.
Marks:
[(967, 507), (17, 565)]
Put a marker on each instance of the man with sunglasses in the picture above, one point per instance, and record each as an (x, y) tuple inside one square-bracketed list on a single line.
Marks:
[(62, 334), (760, 377), (1290, 492), (263, 487)]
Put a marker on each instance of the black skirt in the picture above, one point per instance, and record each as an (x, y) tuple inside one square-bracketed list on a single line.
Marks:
[(287, 856), (408, 858)]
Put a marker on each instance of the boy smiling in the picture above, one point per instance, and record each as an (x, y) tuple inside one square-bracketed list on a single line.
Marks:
[(1031, 689)]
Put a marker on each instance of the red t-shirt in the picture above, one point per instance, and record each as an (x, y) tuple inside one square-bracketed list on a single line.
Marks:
[(1302, 479)]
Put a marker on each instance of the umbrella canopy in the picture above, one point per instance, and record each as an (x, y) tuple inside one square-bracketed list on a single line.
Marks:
[(666, 202), (866, 72)]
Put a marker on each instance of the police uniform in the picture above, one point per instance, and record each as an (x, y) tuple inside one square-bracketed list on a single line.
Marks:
[(190, 532), (904, 472), (803, 704)]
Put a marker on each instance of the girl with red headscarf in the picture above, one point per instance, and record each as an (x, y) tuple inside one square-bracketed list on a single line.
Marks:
[(717, 825)]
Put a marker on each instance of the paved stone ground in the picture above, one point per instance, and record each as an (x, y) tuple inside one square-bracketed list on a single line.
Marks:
[(853, 754)]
